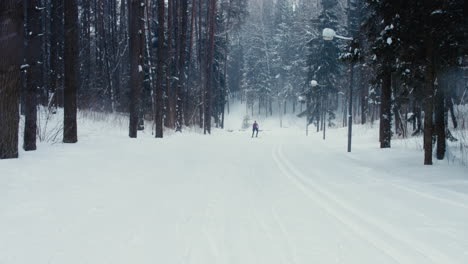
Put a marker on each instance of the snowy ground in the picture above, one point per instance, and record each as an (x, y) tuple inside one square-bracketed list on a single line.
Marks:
[(228, 198)]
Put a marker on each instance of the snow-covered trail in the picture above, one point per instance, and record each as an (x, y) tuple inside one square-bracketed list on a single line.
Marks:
[(228, 198)]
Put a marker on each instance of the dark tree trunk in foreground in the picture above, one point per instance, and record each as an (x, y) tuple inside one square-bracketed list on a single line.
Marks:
[(33, 58), (386, 109), (11, 54), (71, 72), (159, 77), (136, 23)]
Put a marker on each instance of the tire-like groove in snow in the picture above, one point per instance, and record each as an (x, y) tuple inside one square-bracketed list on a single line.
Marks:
[(356, 221)]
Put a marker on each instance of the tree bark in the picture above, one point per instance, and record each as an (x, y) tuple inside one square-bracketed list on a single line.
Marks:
[(56, 28), (182, 62), (209, 68), (160, 67), (189, 105), (440, 120), (70, 133), (34, 72), (386, 109), (86, 71), (429, 101), (170, 105), (364, 97), (136, 22), (11, 52)]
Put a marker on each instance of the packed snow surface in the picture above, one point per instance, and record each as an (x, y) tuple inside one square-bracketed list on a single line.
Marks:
[(229, 198)]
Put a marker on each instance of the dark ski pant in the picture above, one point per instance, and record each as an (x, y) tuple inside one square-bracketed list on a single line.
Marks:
[(253, 132)]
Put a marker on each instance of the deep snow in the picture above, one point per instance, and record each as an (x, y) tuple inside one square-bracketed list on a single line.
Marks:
[(228, 198)]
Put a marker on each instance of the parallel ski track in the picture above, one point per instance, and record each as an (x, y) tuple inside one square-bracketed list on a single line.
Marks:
[(362, 225), (411, 190)]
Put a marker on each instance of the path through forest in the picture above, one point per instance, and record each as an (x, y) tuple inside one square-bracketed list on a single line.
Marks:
[(228, 198)]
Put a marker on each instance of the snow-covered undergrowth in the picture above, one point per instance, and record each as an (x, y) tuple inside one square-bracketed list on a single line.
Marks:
[(50, 126)]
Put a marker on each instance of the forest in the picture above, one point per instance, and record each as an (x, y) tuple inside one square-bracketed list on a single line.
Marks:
[(233, 131), (175, 64)]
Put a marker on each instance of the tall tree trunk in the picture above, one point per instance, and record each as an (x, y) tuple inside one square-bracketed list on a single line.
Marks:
[(123, 51), (34, 73), (364, 95), (136, 22), (56, 38), (169, 120), (86, 22), (71, 72), (429, 101), (429, 78), (115, 65), (209, 68), (159, 108), (181, 90), (149, 81), (440, 120), (189, 105), (201, 43), (386, 108), (11, 54), (101, 77)]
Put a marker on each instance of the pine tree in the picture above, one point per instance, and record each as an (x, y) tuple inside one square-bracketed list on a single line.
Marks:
[(302, 32), (324, 66), (283, 55), (385, 38), (259, 77)]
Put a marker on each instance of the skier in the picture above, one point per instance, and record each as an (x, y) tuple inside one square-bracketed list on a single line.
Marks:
[(255, 129)]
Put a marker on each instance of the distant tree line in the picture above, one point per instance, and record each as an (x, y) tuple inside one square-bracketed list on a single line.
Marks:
[(406, 64)]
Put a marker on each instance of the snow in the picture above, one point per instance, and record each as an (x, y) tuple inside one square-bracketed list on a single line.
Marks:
[(230, 198), (389, 41)]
